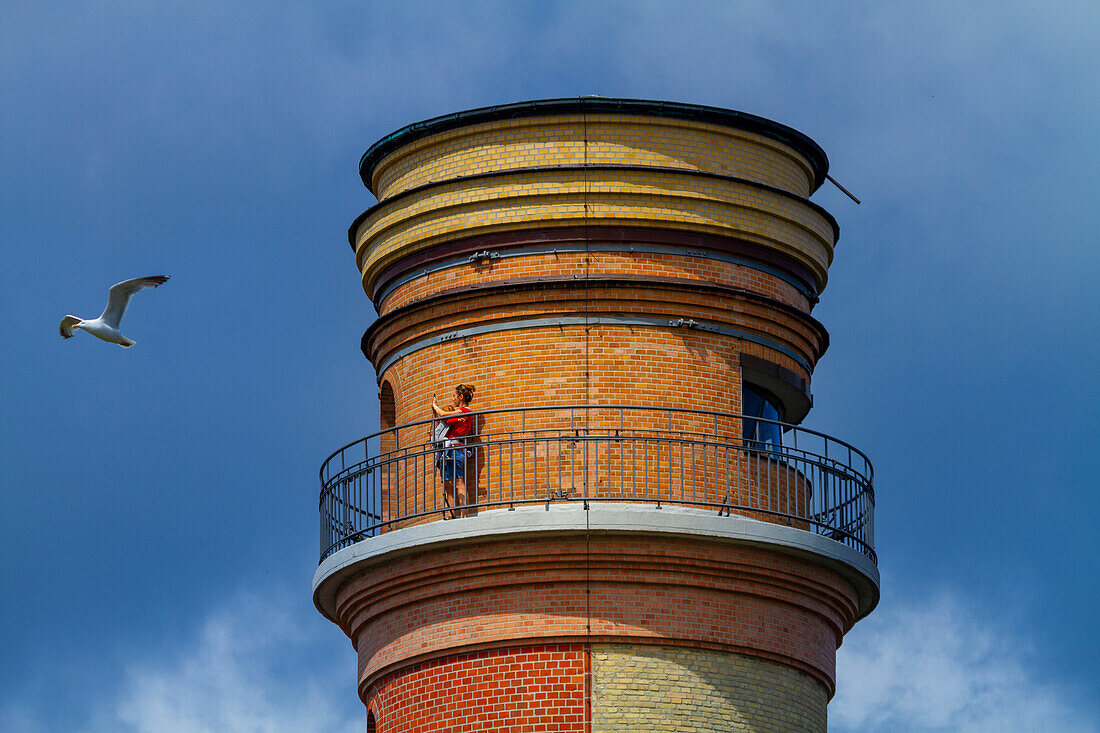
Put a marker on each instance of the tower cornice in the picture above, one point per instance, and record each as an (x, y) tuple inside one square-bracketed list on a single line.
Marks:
[(594, 105)]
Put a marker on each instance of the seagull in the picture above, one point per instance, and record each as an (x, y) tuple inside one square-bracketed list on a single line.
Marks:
[(106, 326)]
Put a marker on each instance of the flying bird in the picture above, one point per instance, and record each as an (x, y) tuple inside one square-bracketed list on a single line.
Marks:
[(106, 326)]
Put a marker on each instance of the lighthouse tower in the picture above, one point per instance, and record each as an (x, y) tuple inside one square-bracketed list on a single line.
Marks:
[(652, 542)]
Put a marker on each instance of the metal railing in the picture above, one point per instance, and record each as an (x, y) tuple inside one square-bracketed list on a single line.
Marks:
[(539, 455)]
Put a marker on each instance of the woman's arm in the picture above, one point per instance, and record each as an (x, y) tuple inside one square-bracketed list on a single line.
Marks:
[(441, 411)]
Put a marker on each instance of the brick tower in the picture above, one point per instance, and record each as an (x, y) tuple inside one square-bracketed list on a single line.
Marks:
[(653, 543)]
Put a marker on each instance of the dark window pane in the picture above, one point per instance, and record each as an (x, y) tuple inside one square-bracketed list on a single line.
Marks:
[(751, 402), (768, 410), (756, 403), (770, 433)]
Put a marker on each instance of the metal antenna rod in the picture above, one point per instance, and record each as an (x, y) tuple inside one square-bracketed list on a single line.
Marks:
[(846, 191)]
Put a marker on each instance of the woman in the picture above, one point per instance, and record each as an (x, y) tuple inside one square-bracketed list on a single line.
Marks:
[(452, 464)]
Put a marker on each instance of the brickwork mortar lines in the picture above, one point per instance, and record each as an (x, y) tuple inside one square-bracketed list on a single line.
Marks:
[(621, 569), (652, 577)]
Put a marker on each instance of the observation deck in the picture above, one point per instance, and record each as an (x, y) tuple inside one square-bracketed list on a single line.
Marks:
[(806, 491)]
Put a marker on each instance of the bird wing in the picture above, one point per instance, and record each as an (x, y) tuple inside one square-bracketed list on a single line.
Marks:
[(67, 324), (119, 297)]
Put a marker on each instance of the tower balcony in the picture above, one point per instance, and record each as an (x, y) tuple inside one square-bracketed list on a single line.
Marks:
[(713, 464)]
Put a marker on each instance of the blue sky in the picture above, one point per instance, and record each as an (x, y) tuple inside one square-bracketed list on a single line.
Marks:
[(159, 528)]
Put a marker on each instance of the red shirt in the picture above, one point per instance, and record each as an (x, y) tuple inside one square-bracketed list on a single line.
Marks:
[(457, 426)]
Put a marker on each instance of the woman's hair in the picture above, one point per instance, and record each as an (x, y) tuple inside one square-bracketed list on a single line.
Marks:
[(466, 392)]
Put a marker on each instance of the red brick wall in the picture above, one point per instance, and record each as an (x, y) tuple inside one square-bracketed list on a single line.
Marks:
[(527, 688), (655, 589)]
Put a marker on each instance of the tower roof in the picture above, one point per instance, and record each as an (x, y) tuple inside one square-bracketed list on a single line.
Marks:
[(801, 143)]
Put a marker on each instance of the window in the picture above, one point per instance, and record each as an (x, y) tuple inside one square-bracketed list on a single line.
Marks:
[(387, 406), (756, 403)]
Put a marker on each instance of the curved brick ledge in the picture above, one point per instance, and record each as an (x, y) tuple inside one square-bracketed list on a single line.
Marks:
[(539, 199), (765, 321), (595, 239), (668, 577), (570, 517)]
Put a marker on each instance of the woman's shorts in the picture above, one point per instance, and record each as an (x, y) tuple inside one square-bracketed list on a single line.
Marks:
[(452, 464)]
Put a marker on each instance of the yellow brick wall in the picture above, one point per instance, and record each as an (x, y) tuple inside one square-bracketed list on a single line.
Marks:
[(612, 140), (560, 198), (654, 688)]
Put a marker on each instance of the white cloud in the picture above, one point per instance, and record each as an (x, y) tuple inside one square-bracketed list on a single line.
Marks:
[(937, 666), (931, 665), (250, 668), (257, 664)]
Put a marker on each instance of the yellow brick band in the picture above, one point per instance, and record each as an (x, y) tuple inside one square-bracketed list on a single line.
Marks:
[(524, 200), (611, 140), (654, 688)]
